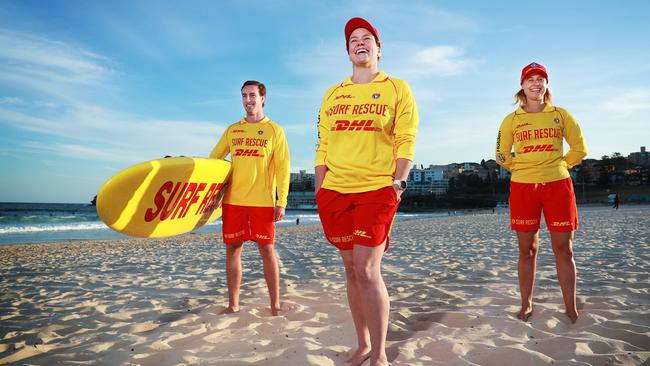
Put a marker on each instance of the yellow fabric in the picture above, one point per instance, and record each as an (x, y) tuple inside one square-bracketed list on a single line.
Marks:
[(260, 163), (362, 130), (538, 140)]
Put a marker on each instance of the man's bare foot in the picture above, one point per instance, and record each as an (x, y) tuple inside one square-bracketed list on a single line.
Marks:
[(525, 313), (359, 357), (230, 310), (573, 316)]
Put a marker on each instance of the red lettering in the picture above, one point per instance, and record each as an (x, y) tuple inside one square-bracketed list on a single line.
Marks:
[(182, 204), (357, 125), (341, 125), (166, 212), (194, 199), (159, 201), (208, 196), (216, 199), (368, 126)]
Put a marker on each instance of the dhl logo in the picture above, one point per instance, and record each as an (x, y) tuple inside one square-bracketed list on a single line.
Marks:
[(173, 201), (362, 234), (248, 152), (355, 125), (538, 148), (561, 223)]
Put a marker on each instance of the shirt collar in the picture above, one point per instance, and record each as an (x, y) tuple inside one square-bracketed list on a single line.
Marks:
[(382, 76), (548, 108), (244, 121)]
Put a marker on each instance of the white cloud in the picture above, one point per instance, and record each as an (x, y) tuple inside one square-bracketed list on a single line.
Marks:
[(74, 125), (93, 133), (11, 100), (52, 69), (634, 101), (416, 61), (39, 57)]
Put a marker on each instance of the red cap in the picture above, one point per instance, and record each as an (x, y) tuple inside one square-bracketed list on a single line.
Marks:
[(355, 23), (533, 68)]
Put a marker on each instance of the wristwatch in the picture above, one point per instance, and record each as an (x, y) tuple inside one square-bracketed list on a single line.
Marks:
[(400, 183)]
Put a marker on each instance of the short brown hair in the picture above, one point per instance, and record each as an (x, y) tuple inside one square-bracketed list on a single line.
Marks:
[(260, 86)]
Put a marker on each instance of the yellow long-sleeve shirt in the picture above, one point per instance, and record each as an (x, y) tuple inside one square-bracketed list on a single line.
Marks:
[(362, 130), (538, 140), (260, 163)]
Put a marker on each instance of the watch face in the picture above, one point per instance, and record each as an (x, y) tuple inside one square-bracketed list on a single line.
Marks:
[(402, 184)]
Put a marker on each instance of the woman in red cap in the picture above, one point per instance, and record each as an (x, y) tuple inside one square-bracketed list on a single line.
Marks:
[(366, 139), (540, 182)]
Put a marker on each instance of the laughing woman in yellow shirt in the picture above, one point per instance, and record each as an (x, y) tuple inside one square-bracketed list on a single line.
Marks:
[(540, 181), (366, 138)]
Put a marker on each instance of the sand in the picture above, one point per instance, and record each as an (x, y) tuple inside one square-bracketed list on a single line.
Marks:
[(452, 282)]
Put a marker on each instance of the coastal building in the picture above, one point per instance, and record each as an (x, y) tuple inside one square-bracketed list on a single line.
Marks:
[(640, 158), (302, 181), (431, 180), (304, 200)]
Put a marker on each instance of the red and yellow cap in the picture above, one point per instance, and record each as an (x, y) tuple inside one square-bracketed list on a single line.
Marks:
[(531, 69), (355, 23)]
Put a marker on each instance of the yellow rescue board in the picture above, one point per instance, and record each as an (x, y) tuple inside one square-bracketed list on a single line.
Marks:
[(164, 197)]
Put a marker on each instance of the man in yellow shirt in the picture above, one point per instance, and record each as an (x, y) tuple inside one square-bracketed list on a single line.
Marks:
[(260, 173), (366, 139)]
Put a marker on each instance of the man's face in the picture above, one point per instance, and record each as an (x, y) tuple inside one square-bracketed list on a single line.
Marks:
[(251, 99)]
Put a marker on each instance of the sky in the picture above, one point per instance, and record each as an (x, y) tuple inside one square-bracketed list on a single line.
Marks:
[(88, 88)]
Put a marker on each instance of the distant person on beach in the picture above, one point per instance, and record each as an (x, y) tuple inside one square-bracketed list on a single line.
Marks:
[(260, 173), (540, 182), (617, 200), (366, 138)]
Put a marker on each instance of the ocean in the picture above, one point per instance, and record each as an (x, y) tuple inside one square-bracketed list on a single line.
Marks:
[(22, 223)]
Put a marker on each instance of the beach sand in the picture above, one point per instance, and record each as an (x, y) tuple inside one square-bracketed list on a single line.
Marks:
[(452, 282)]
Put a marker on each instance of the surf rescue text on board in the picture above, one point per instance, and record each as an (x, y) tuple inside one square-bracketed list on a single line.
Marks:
[(174, 200)]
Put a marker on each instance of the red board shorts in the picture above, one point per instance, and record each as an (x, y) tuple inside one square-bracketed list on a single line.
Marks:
[(243, 223), (556, 198), (363, 218)]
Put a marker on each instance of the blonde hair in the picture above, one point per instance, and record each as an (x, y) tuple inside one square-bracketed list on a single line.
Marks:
[(520, 97)]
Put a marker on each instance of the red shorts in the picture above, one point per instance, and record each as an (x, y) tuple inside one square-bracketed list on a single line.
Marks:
[(243, 223), (363, 218), (557, 199)]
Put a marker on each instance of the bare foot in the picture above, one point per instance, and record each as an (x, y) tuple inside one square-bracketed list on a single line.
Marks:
[(276, 311), (573, 316), (230, 310), (380, 362), (525, 313), (359, 357)]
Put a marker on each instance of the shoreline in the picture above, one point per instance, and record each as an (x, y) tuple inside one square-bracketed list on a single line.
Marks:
[(451, 279)]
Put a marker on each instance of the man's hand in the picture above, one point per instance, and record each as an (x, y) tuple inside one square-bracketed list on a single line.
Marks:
[(278, 214), (398, 191)]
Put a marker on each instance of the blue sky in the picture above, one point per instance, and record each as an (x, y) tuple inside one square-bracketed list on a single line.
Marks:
[(88, 88)]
